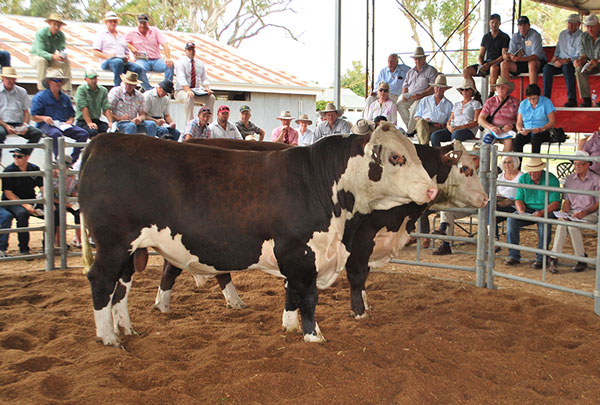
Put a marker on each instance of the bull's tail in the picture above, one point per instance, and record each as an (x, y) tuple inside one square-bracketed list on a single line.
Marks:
[(86, 248)]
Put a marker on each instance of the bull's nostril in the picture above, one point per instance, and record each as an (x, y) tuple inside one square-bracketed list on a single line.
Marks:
[(431, 193)]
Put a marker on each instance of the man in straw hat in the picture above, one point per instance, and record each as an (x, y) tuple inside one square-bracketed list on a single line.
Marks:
[(499, 115), (53, 111), (589, 52), (532, 202), (567, 51), (415, 87), (333, 123), (433, 111), (127, 106), (49, 51), (91, 100), (285, 133), (112, 49), (14, 110), (246, 127), (156, 105), (578, 207), (306, 136)]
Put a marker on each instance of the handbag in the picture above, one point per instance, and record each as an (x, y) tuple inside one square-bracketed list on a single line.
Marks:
[(557, 135), (490, 117)]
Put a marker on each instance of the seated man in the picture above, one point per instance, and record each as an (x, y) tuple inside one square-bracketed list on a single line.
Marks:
[(333, 123), (91, 99), (532, 202), (156, 105), (145, 44), (247, 127), (285, 133), (589, 56), (127, 106), (49, 51), (578, 207), (111, 47), (53, 111), (14, 110), (591, 145), (567, 51), (222, 128), (433, 111), (198, 127), (499, 115), (18, 188), (525, 53)]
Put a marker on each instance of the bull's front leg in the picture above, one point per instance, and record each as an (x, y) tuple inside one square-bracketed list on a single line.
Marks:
[(357, 271), (302, 298), (232, 298)]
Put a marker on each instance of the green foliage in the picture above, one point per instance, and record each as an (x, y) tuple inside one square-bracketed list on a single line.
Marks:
[(321, 104), (550, 20), (354, 79)]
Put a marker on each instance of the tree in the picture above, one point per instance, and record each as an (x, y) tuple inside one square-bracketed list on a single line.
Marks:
[(550, 20), (354, 79)]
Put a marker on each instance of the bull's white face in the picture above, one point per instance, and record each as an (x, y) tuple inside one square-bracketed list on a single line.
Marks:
[(389, 173), (463, 188)]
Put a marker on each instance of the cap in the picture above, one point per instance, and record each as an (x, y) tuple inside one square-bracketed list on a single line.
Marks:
[(166, 85), (143, 17), (574, 18), (21, 151), (190, 45), (523, 20), (90, 73), (205, 109), (591, 20), (223, 108), (495, 16), (244, 108)]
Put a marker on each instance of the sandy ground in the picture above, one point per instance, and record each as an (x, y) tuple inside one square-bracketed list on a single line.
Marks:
[(432, 337)]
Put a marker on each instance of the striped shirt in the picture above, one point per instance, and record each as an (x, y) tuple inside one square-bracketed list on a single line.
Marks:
[(588, 47), (196, 130)]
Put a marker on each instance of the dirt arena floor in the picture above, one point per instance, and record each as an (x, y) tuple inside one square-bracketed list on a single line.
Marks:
[(432, 337)]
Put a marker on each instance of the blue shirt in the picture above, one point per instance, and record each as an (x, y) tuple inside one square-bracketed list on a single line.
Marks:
[(536, 117), (531, 44), (395, 79), (44, 103), (439, 113), (567, 46)]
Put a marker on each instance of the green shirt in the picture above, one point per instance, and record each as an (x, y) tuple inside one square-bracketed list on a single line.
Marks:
[(534, 199), (95, 101), (45, 44)]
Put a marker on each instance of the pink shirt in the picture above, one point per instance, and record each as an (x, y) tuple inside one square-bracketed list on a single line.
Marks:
[(105, 42), (592, 146), (589, 183), (277, 136), (507, 115), (149, 43)]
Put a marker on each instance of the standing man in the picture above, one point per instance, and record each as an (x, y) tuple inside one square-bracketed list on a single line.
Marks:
[(127, 106), (567, 51), (285, 133), (246, 127), (578, 207), (525, 52), (494, 45), (91, 99), (433, 111), (14, 110), (191, 79), (49, 51), (415, 87), (222, 128), (111, 47), (332, 124), (145, 44), (156, 105), (18, 188), (589, 54), (53, 111)]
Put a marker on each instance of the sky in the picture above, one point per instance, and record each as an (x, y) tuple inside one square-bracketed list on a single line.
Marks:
[(312, 58)]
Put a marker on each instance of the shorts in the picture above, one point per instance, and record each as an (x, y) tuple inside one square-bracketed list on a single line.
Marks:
[(479, 73), (523, 67)]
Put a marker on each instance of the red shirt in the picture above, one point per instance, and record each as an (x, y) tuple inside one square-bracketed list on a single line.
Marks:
[(507, 115)]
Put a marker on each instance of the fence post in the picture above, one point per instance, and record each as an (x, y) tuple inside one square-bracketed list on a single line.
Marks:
[(48, 204), (491, 262), (62, 207), (484, 170)]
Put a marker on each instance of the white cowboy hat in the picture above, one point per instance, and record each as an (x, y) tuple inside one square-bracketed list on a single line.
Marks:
[(466, 84), (330, 107), (285, 115), (363, 127), (111, 15), (303, 117), (533, 165)]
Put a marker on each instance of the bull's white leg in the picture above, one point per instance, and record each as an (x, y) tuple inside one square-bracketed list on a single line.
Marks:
[(104, 326), (365, 300), (291, 321), (120, 312), (201, 280), (163, 300), (319, 338), (232, 298)]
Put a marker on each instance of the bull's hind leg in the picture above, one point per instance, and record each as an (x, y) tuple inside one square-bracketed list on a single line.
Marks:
[(163, 296), (232, 298), (290, 320)]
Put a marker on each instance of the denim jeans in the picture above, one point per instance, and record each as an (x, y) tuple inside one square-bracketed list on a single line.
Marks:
[(147, 126), (118, 67), (568, 72), (514, 237), (443, 135), (163, 131), (153, 65), (7, 213)]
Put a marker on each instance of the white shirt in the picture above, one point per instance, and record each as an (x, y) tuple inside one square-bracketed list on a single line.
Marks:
[(183, 73), (508, 192), (13, 104), (308, 138), (154, 105), (231, 132)]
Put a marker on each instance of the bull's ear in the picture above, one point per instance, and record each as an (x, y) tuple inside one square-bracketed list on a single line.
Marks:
[(451, 158), (376, 154)]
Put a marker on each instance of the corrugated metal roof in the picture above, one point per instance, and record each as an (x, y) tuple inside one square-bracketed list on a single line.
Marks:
[(225, 69), (592, 6)]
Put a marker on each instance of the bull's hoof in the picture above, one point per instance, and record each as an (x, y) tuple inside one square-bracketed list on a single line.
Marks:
[(165, 309), (130, 332), (361, 316), (109, 341)]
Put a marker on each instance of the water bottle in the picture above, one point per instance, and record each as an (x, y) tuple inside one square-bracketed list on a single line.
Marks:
[(594, 97)]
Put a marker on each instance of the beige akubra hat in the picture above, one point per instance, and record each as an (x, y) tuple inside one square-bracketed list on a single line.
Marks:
[(54, 74), (55, 17), (285, 115), (304, 118), (330, 107), (440, 81), (363, 127), (533, 165), (130, 78)]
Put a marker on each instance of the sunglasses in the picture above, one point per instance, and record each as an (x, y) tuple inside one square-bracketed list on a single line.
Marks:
[(18, 156), (56, 80), (206, 110), (384, 90)]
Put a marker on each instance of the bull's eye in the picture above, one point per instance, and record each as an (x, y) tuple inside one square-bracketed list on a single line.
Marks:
[(466, 170), (396, 159)]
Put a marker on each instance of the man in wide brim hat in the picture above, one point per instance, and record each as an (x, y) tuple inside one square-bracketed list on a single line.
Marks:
[(111, 16), (419, 53), (504, 82), (55, 17), (440, 82), (285, 133), (54, 74), (330, 107), (285, 116), (130, 78)]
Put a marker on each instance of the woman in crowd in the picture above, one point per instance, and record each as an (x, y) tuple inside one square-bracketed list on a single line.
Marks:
[(462, 124), (306, 136), (536, 117), (505, 195), (383, 105)]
